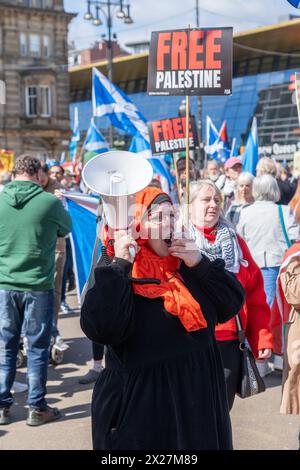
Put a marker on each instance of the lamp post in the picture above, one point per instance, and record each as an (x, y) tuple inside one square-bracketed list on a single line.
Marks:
[(107, 8)]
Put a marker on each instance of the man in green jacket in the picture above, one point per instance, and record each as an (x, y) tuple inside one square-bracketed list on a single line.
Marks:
[(30, 222)]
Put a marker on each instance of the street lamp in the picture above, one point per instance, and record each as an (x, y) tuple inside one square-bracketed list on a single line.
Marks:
[(106, 8)]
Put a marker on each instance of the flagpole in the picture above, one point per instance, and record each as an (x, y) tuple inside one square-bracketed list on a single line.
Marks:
[(177, 177), (207, 142), (82, 148), (232, 146)]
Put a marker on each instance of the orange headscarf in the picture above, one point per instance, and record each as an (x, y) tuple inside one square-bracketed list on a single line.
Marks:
[(177, 299)]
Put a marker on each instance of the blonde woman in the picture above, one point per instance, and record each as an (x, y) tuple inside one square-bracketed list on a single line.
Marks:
[(217, 239)]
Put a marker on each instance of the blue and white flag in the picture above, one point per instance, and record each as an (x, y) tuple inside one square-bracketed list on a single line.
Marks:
[(250, 157), (109, 100), (62, 158), (215, 148), (76, 136), (160, 169), (82, 210), (95, 142), (162, 172), (295, 3)]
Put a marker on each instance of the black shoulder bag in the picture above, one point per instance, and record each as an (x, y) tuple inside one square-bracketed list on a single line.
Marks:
[(251, 382)]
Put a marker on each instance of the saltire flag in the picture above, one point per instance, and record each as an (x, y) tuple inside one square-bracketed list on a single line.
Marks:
[(75, 138), (108, 100), (95, 142), (216, 148), (250, 157), (62, 158), (212, 136), (82, 210), (295, 3), (162, 173), (50, 162), (160, 169), (138, 144)]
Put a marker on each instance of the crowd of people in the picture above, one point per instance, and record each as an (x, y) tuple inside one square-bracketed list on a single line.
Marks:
[(166, 353)]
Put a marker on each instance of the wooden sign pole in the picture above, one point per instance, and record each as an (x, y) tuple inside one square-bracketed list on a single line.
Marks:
[(177, 177), (187, 161)]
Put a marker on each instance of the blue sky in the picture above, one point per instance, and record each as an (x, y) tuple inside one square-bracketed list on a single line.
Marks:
[(154, 15)]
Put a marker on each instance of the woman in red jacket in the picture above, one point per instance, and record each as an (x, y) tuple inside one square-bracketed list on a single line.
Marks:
[(217, 239)]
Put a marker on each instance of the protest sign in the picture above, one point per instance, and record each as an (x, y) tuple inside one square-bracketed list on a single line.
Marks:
[(190, 62), (168, 135)]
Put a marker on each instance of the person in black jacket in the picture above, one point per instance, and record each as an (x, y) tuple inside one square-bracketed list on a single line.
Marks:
[(163, 386)]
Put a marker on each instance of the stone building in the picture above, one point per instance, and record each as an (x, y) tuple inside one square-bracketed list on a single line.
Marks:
[(33, 65)]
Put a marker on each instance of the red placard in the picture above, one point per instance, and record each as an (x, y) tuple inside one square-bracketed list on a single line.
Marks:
[(168, 135), (190, 62)]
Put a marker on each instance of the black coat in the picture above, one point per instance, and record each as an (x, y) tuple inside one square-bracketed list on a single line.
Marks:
[(162, 388)]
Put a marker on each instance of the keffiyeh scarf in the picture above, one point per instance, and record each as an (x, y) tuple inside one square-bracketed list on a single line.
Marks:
[(226, 246)]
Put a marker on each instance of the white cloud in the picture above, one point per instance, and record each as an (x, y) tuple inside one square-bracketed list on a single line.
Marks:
[(154, 15)]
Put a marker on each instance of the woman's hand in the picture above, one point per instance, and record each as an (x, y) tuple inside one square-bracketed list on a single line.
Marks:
[(264, 354), (122, 245), (58, 193), (187, 250)]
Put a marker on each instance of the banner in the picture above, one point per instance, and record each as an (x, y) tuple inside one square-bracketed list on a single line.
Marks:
[(82, 209), (168, 135), (190, 62), (6, 161)]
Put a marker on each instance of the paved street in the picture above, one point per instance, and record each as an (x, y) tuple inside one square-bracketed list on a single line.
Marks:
[(257, 423)]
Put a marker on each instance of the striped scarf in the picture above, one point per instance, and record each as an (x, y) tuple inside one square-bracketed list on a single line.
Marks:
[(226, 246)]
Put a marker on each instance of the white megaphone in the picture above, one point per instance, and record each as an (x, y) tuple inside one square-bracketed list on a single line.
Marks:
[(117, 176)]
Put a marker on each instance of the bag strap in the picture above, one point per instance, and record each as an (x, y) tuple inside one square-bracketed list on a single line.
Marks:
[(240, 330), (287, 240)]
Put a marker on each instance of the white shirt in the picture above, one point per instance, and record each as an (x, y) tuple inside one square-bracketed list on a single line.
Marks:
[(260, 226)]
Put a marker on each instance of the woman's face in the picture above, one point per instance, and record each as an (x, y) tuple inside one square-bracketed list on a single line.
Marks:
[(245, 192), (158, 228), (206, 207)]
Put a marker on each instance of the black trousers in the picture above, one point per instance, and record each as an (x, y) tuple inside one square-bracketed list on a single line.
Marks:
[(232, 363), (98, 351)]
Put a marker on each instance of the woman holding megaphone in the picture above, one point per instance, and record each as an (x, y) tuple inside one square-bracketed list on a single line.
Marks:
[(163, 386)]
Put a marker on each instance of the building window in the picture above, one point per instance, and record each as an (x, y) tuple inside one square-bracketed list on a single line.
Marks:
[(31, 101), (48, 4), (38, 101), (46, 46), (23, 44), (35, 45), (36, 3), (45, 101)]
